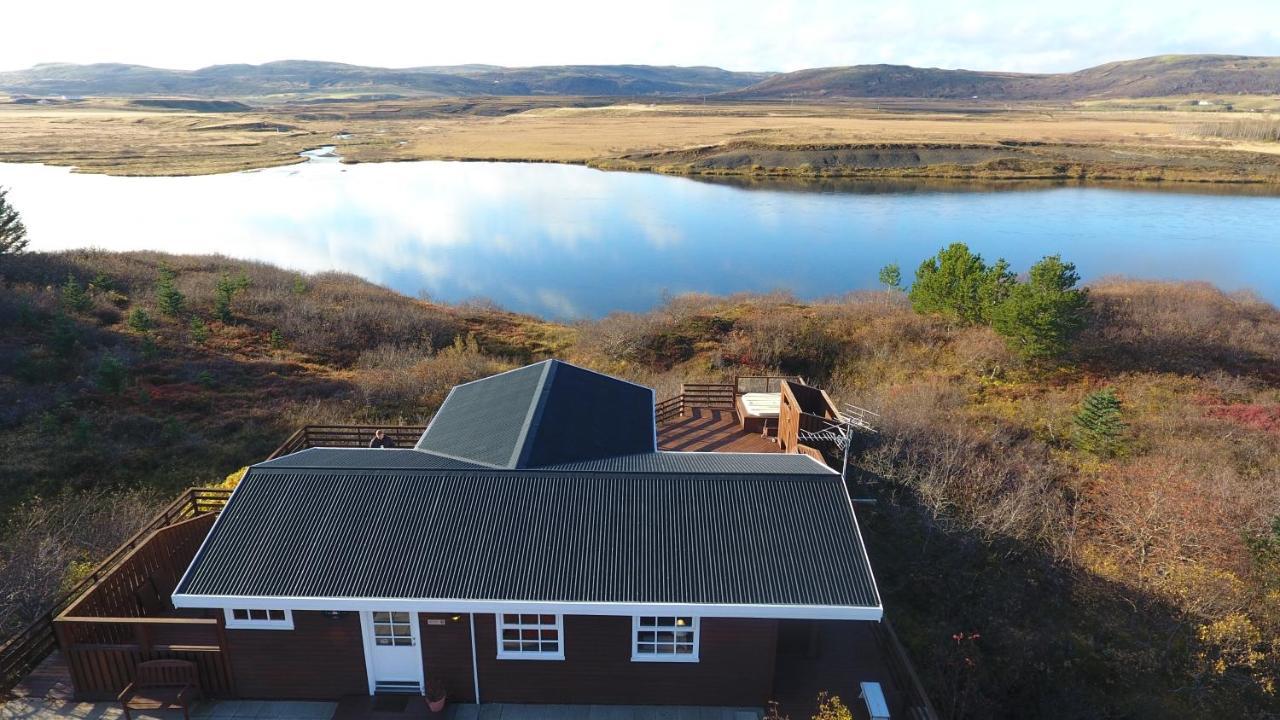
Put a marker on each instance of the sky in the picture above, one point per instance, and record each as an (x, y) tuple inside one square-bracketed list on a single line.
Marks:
[(780, 35)]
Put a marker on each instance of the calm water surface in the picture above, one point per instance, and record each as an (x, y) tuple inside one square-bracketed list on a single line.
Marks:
[(568, 241)]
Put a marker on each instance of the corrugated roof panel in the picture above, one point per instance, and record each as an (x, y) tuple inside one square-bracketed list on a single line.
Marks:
[(699, 462), (367, 459), (545, 536), (485, 421)]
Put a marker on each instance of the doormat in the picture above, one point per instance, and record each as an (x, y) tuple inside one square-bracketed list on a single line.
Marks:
[(390, 703)]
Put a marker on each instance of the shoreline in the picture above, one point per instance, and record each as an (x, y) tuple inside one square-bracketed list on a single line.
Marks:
[(1085, 176)]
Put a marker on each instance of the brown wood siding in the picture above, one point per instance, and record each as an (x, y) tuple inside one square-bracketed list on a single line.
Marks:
[(735, 667), (446, 654), (322, 658)]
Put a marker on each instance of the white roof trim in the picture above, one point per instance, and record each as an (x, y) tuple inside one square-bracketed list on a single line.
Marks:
[(790, 612)]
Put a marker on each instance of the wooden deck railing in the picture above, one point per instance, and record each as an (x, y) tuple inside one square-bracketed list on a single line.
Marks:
[(903, 673), (26, 649), (718, 396), (100, 670), (312, 436), (803, 409)]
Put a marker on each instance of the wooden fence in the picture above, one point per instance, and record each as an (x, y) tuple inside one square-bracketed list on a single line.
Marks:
[(718, 396), (803, 409), (311, 436), (144, 579), (126, 618), (100, 672), (26, 649)]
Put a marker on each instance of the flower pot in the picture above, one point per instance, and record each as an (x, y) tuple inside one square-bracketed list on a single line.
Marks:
[(436, 705)]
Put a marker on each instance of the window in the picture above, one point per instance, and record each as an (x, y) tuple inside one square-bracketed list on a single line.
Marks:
[(664, 638), (259, 619), (530, 637), (392, 628)]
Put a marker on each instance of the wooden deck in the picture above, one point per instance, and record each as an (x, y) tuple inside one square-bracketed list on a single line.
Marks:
[(710, 430), (50, 680)]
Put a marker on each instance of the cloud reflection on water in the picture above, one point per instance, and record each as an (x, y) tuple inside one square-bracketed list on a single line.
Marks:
[(569, 241)]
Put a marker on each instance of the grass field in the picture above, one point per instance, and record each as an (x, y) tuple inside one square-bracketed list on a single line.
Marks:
[(1029, 577), (894, 138)]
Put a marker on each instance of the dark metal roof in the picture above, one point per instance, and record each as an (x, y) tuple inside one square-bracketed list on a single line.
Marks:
[(659, 462), (700, 462), (485, 421), (367, 459), (542, 414), (538, 536)]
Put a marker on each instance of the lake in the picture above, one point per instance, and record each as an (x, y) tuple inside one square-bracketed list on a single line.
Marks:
[(567, 241)]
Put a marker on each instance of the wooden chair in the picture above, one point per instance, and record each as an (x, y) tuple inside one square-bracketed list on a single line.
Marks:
[(162, 685)]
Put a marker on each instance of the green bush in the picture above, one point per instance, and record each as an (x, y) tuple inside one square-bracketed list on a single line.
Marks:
[(1040, 317), (277, 339), (140, 320), (168, 298), (1099, 425), (958, 285)]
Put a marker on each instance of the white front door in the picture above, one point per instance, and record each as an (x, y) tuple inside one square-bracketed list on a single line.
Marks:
[(392, 655)]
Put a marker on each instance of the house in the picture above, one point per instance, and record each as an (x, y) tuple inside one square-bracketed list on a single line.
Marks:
[(535, 545)]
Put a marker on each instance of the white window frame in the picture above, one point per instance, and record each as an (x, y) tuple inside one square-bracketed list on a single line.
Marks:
[(234, 623), (504, 654), (695, 626)]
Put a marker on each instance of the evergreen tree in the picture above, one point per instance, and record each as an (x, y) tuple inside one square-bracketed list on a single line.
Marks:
[(1040, 317), (13, 234), (1099, 424), (199, 330), (168, 298), (958, 285), (224, 291), (74, 298), (891, 276), (140, 320), (111, 375)]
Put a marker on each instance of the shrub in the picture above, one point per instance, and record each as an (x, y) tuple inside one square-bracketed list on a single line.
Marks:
[(140, 320), (168, 298), (277, 339), (74, 298), (111, 374), (199, 330), (958, 285), (1040, 317), (1099, 424)]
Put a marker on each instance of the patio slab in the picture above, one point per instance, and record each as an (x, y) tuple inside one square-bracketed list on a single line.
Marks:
[(60, 709)]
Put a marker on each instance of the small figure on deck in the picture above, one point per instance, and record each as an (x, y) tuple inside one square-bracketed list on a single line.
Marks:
[(381, 440)]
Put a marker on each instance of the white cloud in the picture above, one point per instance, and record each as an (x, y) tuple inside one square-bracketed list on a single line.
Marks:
[(736, 34)]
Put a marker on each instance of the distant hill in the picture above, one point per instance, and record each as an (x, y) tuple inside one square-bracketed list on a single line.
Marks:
[(299, 77), (1160, 76), (1166, 75)]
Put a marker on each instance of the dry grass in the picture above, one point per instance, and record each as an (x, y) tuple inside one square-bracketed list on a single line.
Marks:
[(1113, 586), (110, 137)]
